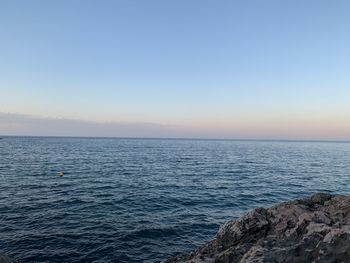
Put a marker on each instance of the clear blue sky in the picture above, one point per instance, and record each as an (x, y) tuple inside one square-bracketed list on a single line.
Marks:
[(255, 69)]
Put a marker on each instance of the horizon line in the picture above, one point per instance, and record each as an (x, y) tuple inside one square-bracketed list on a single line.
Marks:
[(176, 138)]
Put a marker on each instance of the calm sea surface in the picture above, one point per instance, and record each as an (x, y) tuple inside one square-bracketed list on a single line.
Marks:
[(133, 200)]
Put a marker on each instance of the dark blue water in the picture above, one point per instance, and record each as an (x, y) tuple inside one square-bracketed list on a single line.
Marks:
[(127, 200)]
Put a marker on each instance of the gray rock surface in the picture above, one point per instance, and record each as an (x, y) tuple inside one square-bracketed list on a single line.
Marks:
[(315, 229)]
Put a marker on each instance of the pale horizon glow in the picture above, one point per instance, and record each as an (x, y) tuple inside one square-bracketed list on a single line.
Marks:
[(182, 69), (272, 129)]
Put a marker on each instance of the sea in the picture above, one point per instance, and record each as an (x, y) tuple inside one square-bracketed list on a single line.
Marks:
[(146, 200)]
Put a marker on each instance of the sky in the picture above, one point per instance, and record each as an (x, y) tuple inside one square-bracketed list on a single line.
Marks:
[(251, 69)]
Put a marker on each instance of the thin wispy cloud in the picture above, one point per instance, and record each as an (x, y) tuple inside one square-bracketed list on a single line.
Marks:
[(297, 128), (21, 124)]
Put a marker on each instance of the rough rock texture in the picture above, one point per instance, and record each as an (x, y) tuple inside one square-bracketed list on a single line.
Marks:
[(315, 229)]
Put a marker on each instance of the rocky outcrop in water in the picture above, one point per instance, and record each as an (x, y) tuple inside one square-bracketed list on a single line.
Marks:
[(315, 229)]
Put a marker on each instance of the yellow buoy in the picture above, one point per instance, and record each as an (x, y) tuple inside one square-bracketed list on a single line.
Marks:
[(61, 174)]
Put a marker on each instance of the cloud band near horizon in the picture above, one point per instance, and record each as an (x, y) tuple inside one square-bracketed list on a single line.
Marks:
[(298, 128)]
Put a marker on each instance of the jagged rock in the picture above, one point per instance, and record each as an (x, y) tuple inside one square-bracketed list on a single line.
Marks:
[(315, 229)]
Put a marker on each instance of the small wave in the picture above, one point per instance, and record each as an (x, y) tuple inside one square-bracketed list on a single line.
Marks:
[(151, 233)]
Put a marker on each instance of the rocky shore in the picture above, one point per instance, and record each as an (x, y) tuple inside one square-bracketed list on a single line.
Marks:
[(315, 229)]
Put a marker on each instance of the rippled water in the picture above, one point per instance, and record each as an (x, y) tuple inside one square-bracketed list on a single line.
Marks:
[(133, 200)]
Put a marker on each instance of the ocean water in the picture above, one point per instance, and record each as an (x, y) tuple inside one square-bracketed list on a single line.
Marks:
[(143, 200)]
